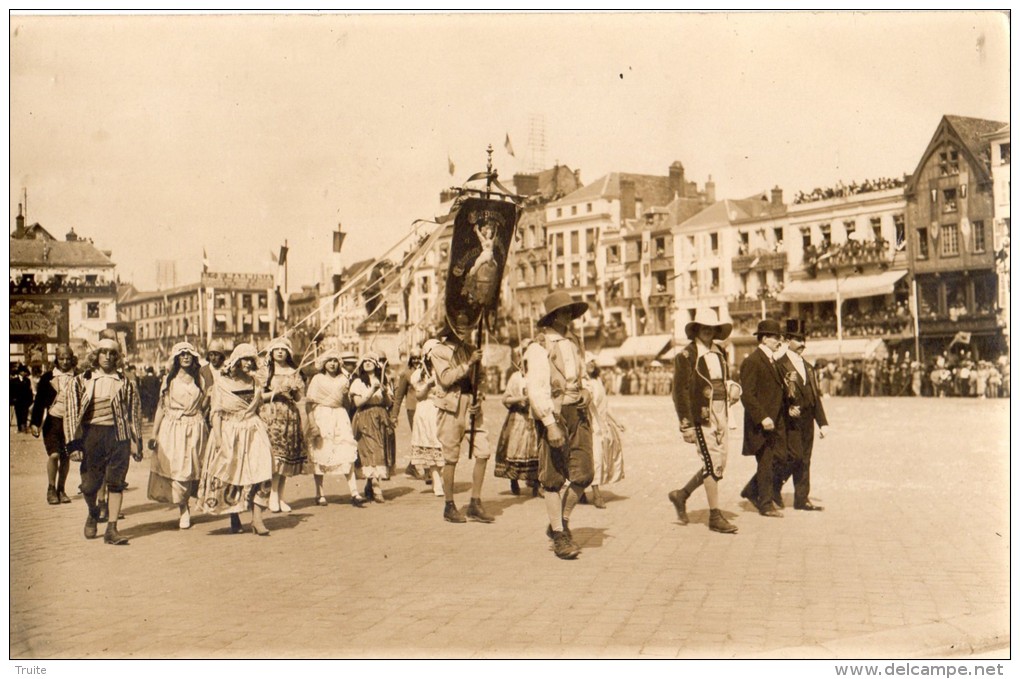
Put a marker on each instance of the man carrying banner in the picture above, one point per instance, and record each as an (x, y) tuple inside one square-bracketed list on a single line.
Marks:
[(702, 394), (454, 361), (558, 402)]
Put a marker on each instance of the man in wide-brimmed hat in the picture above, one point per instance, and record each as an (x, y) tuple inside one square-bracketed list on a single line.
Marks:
[(764, 415), (804, 410), (702, 394), (453, 360), (558, 402)]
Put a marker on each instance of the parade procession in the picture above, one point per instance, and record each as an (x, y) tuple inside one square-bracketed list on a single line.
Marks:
[(320, 403)]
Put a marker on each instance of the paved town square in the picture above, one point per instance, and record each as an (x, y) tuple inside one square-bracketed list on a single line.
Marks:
[(909, 559)]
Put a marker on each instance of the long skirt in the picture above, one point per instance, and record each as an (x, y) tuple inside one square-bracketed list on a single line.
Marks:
[(238, 471), (517, 449), (607, 452), (337, 451), (374, 434), (284, 426), (177, 465), (426, 451)]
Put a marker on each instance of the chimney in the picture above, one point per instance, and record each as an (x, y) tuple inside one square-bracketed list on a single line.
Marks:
[(526, 184), (777, 196), (676, 180), (710, 191), (71, 236), (19, 224), (626, 199)]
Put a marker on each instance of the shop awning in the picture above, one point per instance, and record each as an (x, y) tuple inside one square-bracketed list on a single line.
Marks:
[(824, 289), (222, 318), (851, 349), (606, 358), (264, 318), (643, 346)]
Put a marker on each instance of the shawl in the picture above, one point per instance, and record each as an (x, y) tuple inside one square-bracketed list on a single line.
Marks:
[(327, 391)]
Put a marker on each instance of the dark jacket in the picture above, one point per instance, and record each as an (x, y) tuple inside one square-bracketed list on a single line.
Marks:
[(692, 387), (763, 397), (808, 397), (45, 394)]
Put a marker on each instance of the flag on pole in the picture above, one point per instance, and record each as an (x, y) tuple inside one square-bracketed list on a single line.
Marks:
[(283, 255), (449, 162), (205, 261), (509, 147), (961, 337)]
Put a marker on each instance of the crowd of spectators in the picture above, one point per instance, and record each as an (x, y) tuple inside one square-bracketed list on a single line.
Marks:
[(845, 190), (652, 379), (853, 252), (945, 375), (25, 285), (891, 319)]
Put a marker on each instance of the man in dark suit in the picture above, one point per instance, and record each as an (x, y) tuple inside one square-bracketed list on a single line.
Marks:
[(764, 416), (804, 410), (22, 396)]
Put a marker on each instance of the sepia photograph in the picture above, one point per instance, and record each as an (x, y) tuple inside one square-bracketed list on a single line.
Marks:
[(444, 336)]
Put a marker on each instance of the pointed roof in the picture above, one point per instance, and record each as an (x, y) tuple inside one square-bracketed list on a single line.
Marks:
[(34, 252), (651, 189), (968, 133)]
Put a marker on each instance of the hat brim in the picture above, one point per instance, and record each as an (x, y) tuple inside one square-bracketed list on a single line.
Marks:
[(722, 330), (577, 309)]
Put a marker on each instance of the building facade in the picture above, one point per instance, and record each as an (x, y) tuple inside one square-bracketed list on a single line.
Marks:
[(588, 241), (951, 222), (233, 307), (527, 270), (60, 291), (848, 271)]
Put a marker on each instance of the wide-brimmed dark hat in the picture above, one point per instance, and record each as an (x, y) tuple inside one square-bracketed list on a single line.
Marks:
[(561, 299), (768, 327), (795, 329), (710, 319)]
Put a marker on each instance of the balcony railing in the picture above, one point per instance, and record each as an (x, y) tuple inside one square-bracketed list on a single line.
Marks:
[(846, 255), (944, 325), (759, 260), (752, 307)]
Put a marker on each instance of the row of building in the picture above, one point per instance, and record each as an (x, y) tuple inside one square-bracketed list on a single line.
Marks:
[(913, 263)]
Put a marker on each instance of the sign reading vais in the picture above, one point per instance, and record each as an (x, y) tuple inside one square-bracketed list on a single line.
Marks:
[(32, 321)]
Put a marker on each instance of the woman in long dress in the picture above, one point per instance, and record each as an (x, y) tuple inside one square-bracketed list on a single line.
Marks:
[(179, 433), (332, 448), (238, 467), (607, 449), (372, 424), (426, 451), (282, 392), (517, 449)]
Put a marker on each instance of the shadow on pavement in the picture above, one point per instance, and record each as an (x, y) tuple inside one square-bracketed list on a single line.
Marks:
[(589, 537)]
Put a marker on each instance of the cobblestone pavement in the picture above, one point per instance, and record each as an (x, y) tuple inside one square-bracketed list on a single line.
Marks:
[(910, 558)]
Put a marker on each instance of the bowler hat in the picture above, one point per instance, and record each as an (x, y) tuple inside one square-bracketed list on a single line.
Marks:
[(768, 326), (710, 319), (795, 329), (561, 299)]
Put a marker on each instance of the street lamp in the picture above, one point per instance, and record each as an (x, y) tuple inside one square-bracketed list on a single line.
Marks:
[(839, 309)]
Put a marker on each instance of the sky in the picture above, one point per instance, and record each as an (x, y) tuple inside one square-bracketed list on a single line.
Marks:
[(161, 136)]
